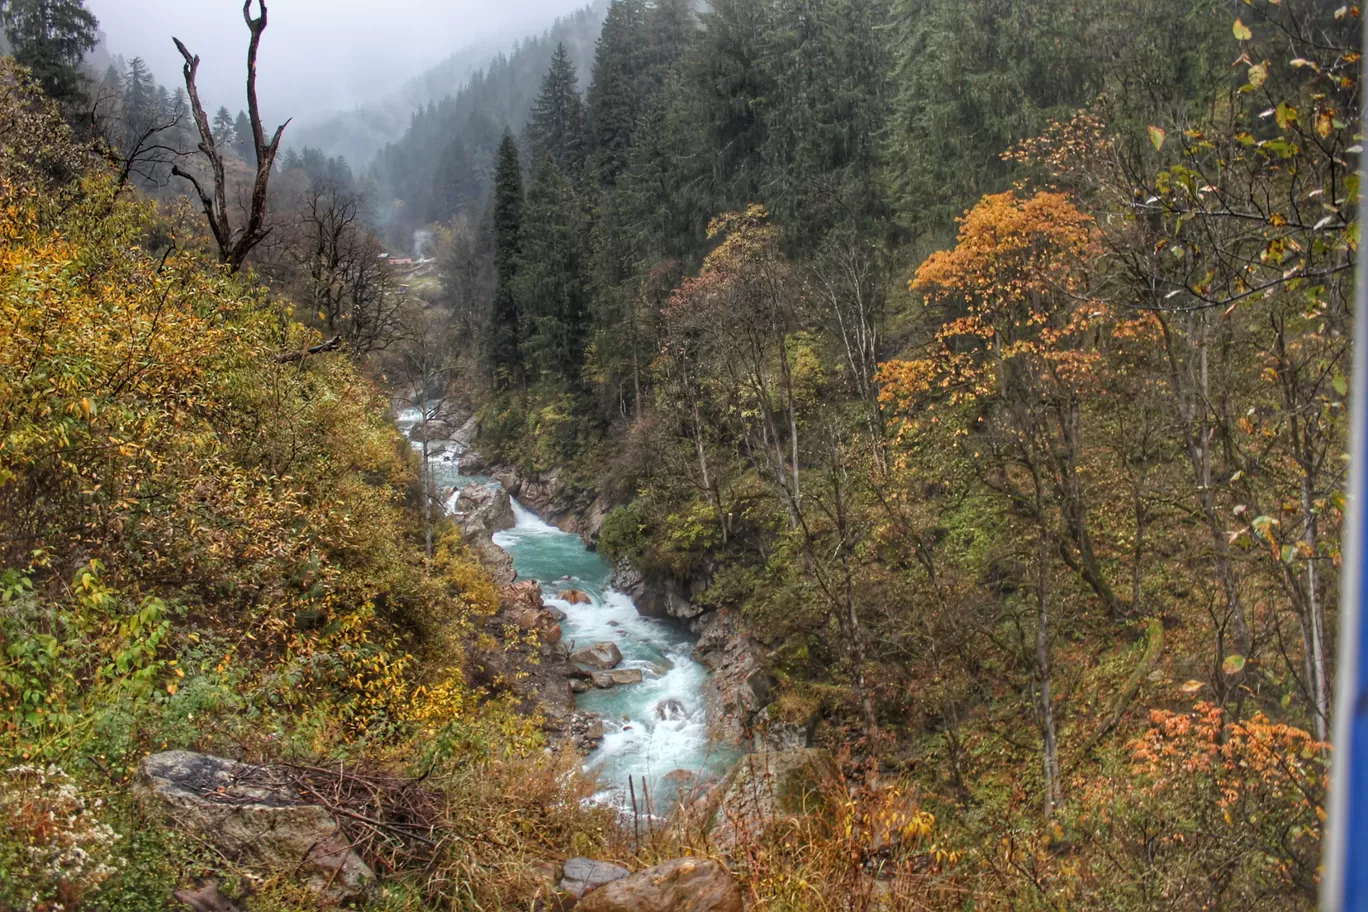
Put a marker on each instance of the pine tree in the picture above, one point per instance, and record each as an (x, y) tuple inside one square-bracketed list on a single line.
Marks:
[(139, 98), (243, 141), (556, 128), (821, 131), (729, 89), (615, 97), (454, 187), (549, 283), (505, 357), (670, 30), (223, 127), (51, 38)]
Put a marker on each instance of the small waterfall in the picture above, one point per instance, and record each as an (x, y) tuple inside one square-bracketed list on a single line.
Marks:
[(656, 731)]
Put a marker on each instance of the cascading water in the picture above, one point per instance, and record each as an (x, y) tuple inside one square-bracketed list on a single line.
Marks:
[(654, 731)]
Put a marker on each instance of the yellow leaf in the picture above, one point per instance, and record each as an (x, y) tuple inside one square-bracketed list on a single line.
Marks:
[(1325, 123), (1242, 31), (1258, 74), (1192, 687), (1157, 137)]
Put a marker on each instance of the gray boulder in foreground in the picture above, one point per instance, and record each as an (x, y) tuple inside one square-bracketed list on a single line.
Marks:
[(682, 885), (580, 875), (245, 813)]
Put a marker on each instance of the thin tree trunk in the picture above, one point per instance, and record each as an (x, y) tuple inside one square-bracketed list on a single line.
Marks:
[(426, 480), (1050, 748), (1197, 447)]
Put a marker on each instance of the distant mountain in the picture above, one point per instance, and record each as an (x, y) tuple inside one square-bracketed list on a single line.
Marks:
[(443, 163), (361, 133)]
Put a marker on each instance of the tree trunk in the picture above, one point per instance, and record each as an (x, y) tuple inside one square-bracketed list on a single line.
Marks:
[(1049, 746)]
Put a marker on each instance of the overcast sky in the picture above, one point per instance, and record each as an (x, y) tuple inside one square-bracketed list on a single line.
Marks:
[(316, 54)]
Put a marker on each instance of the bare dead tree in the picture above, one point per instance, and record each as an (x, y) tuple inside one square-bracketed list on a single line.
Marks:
[(234, 245), (347, 283)]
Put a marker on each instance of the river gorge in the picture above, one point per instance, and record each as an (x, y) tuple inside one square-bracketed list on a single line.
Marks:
[(656, 735)]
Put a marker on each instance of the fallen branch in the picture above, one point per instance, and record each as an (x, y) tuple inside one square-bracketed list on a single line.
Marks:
[(1154, 647), (331, 345)]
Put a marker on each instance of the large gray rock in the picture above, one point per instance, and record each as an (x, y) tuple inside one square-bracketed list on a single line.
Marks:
[(603, 656), (483, 510), (465, 435), (618, 676), (580, 875), (765, 788), (251, 816), (682, 885)]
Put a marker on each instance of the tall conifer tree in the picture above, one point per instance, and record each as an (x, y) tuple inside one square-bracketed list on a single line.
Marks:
[(556, 128), (506, 337), (51, 38)]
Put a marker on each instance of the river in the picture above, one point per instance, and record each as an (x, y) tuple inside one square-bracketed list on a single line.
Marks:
[(653, 730)]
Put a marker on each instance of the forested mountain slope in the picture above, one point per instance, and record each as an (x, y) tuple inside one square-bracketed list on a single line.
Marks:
[(972, 374), (1041, 522)]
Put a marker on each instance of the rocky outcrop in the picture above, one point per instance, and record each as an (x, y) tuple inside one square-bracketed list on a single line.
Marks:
[(484, 510), (481, 511), (602, 656), (682, 885), (739, 686), (549, 497), (537, 668), (660, 596), (249, 815), (769, 732), (763, 789), (521, 605)]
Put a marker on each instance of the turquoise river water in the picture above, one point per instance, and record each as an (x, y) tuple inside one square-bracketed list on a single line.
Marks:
[(654, 730)]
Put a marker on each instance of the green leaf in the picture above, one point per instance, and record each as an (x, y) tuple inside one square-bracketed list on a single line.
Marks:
[(1233, 664), (1341, 385), (1157, 137), (1241, 31)]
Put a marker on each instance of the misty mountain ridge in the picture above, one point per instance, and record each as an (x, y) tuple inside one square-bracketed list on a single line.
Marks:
[(359, 134)]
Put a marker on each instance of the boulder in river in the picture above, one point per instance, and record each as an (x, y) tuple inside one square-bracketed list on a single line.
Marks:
[(576, 597), (580, 875), (249, 814), (618, 676), (603, 655), (465, 435), (671, 710), (682, 885)]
